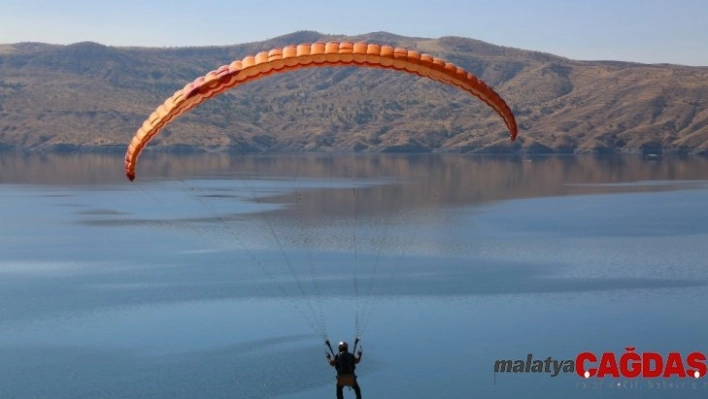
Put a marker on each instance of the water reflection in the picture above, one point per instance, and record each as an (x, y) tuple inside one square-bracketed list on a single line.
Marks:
[(435, 179)]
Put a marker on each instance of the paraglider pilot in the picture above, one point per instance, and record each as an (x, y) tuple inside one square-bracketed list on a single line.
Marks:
[(345, 364)]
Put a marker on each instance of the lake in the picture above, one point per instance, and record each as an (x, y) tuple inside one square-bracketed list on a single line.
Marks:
[(220, 276)]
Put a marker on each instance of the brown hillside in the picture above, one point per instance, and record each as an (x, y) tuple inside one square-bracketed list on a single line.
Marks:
[(90, 97)]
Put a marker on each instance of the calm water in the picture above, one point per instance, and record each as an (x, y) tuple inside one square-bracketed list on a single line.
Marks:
[(218, 277)]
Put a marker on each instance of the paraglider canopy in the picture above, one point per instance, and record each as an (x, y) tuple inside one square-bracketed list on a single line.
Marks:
[(291, 58)]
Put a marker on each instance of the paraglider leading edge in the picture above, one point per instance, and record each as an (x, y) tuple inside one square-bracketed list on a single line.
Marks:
[(290, 58)]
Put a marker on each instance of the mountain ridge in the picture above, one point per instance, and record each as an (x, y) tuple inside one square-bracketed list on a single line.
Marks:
[(91, 97)]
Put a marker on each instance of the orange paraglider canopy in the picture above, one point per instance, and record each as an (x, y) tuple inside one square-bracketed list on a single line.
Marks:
[(302, 56)]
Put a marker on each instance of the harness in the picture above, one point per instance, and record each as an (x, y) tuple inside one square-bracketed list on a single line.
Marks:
[(345, 366), (346, 380)]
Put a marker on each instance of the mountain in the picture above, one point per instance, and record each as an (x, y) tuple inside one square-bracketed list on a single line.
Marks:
[(91, 97)]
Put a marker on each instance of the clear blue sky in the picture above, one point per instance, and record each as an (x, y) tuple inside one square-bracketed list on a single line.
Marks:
[(650, 31)]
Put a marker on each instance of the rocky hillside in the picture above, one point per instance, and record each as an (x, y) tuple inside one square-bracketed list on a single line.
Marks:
[(90, 97)]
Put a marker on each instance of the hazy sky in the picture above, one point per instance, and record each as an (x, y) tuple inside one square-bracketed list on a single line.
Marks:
[(651, 31)]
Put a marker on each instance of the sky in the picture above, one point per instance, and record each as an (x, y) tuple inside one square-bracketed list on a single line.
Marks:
[(646, 31)]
